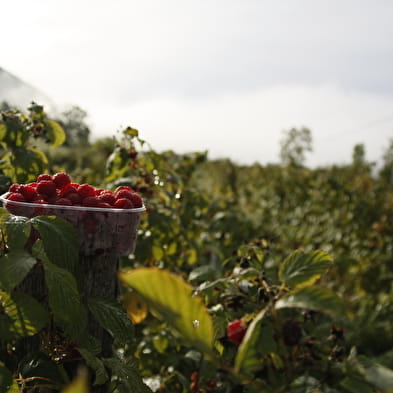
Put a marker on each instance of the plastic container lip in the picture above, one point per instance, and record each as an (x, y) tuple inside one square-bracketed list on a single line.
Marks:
[(4, 199)]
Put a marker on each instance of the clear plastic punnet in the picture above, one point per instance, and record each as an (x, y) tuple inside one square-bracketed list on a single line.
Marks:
[(100, 230)]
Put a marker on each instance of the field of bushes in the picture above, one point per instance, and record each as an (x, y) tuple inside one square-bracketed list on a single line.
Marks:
[(260, 278)]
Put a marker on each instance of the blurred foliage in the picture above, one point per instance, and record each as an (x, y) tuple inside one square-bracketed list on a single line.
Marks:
[(302, 257)]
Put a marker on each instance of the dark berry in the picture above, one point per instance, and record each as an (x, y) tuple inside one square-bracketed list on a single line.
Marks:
[(86, 190), (123, 203), (47, 187), (61, 179), (44, 176)]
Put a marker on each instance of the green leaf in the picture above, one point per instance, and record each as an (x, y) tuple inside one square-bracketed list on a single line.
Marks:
[(313, 298), (356, 385), (377, 375), (248, 357), (113, 318), (55, 133), (171, 298), (304, 268), (131, 132), (18, 231), (27, 316), (63, 298), (14, 267), (59, 239), (27, 163), (6, 380), (101, 376), (127, 376), (3, 131)]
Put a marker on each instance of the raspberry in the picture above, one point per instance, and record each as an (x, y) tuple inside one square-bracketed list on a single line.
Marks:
[(44, 177), (99, 191), (104, 205), (47, 187), (40, 197), (28, 192), (52, 199), (236, 331), (67, 189), (107, 197), (124, 188), (14, 187), (91, 201), (86, 190), (74, 197), (61, 179), (123, 203), (16, 196), (136, 200), (123, 194), (63, 201)]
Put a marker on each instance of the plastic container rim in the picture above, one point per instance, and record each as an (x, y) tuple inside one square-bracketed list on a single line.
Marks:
[(4, 199)]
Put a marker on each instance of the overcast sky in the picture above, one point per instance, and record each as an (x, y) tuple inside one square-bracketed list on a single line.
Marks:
[(227, 76)]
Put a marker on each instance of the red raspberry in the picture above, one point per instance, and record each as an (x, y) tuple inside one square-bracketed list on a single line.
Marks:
[(61, 179), (14, 187), (104, 205), (123, 194), (63, 201), (41, 201), (44, 176), (67, 189), (86, 190), (40, 197), (74, 197), (16, 196), (136, 200), (47, 187), (99, 191), (124, 188), (28, 192), (91, 201), (52, 199), (123, 203), (107, 197), (236, 331)]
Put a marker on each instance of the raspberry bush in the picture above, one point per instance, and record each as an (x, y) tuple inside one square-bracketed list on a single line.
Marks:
[(244, 279)]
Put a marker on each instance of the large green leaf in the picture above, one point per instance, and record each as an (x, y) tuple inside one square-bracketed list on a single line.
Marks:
[(18, 230), (59, 239), (27, 316), (113, 318), (63, 295), (301, 269), (171, 298), (248, 357), (55, 133), (14, 267), (313, 298)]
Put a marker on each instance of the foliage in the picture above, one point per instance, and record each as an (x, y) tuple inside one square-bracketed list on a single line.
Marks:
[(302, 257)]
